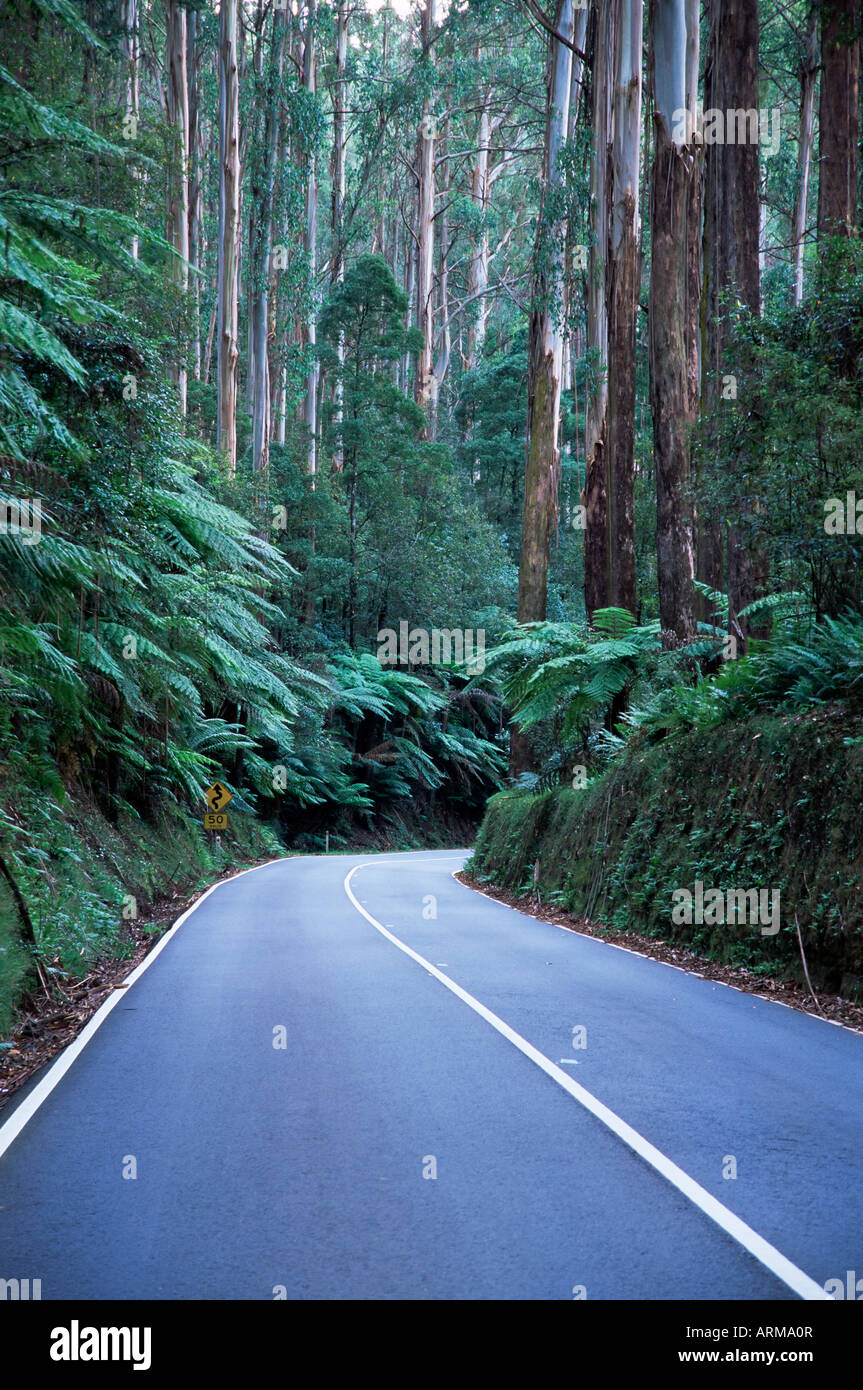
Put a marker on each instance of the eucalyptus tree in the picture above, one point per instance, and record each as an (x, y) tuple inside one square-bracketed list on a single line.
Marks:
[(177, 102), (338, 173), (623, 284), (229, 233), (596, 539), (674, 301), (425, 223), (264, 160), (545, 346), (808, 71), (545, 352), (731, 265), (310, 241), (838, 119)]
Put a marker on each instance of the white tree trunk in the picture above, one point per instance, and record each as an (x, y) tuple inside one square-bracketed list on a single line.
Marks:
[(195, 174), (596, 406), (129, 48), (177, 96), (310, 408), (426, 144), (229, 226), (805, 143), (480, 192), (261, 252), (339, 166)]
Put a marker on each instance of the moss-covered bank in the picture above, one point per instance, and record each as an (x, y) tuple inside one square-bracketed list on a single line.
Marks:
[(81, 877), (774, 804)]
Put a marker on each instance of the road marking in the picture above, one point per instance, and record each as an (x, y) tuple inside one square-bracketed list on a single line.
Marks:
[(588, 936), (767, 1254), (27, 1109)]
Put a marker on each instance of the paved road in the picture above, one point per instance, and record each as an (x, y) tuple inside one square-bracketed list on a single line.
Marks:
[(301, 1167)]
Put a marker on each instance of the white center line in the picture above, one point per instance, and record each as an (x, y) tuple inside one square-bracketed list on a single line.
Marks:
[(764, 1252)]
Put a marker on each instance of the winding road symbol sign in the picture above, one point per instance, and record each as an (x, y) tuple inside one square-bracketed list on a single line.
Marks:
[(217, 796)]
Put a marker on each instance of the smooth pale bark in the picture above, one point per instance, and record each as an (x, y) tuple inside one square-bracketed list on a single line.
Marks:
[(576, 92), (545, 355), (177, 99), (484, 175), (596, 548), (410, 269), (310, 241), (229, 228), (624, 276), (338, 171), (251, 141), (195, 175), (425, 231), (805, 144), (444, 344), (379, 241), (208, 353), (261, 248), (129, 50), (280, 413), (732, 238), (672, 205), (838, 120), (480, 192)]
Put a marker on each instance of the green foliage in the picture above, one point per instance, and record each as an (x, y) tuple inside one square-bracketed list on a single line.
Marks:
[(770, 800), (150, 636), (798, 423), (782, 674), (569, 674)]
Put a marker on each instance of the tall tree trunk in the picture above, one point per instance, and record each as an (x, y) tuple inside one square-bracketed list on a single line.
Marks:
[(195, 175), (425, 228), (260, 250), (129, 48), (426, 144), (310, 242), (339, 166), (624, 275), (596, 556), (675, 167), (229, 229), (731, 264), (480, 192), (805, 142), (837, 119), (443, 347), (545, 353), (177, 96), (410, 269)]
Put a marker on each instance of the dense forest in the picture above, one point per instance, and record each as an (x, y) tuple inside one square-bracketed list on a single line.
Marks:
[(404, 402)]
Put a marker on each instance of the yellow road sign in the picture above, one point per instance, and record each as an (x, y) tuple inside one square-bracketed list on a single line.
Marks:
[(215, 820), (217, 796)]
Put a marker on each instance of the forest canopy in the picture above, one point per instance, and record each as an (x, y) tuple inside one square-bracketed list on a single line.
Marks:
[(318, 319)]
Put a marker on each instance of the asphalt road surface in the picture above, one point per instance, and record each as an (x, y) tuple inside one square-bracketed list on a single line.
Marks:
[(352, 1077)]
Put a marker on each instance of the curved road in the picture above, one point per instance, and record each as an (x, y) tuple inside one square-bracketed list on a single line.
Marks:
[(352, 1077)]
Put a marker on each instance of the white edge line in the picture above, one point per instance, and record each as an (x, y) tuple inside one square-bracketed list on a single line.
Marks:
[(767, 1254), (25, 1111), (642, 955)]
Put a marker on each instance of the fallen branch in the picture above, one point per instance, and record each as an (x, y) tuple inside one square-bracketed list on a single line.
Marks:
[(806, 968)]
